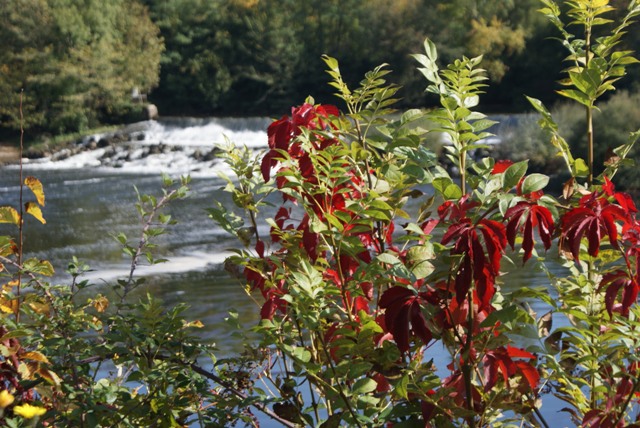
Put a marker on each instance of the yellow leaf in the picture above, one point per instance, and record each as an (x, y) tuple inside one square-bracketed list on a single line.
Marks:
[(196, 324), (7, 246), (34, 356), (39, 307), (42, 267), (50, 376), (9, 215), (33, 209), (101, 303), (8, 306), (9, 285), (36, 187)]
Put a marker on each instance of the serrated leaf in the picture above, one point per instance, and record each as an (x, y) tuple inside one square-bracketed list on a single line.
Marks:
[(34, 209), (43, 267), (36, 187), (418, 258)]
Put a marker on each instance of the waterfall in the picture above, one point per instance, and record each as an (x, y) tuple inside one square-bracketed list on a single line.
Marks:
[(169, 145)]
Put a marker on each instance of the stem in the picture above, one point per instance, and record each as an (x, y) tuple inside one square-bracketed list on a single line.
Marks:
[(20, 220), (466, 368), (627, 401), (463, 172), (143, 242), (347, 403), (314, 404)]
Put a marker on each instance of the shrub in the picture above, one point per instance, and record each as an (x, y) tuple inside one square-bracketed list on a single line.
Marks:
[(376, 259)]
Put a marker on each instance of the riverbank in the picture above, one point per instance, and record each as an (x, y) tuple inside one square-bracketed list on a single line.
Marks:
[(9, 154)]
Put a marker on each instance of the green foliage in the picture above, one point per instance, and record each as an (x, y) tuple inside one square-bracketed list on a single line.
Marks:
[(77, 62), (232, 56)]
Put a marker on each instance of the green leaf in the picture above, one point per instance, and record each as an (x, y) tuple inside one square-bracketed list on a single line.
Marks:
[(534, 182), (513, 174), (364, 386), (576, 95), (388, 258), (418, 258), (452, 191), (580, 168), (42, 267)]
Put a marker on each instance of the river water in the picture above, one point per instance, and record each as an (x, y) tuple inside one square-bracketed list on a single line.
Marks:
[(90, 197)]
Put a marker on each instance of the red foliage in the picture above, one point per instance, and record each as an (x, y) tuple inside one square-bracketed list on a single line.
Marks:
[(593, 219), (476, 264), (281, 133), (403, 315), (501, 362), (524, 218)]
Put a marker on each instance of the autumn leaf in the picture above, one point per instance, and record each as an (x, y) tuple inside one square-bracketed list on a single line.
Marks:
[(613, 282), (9, 215), (525, 217), (34, 209), (500, 362), (594, 219), (403, 315), (36, 187)]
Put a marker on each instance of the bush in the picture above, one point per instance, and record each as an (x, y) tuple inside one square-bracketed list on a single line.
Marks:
[(375, 256)]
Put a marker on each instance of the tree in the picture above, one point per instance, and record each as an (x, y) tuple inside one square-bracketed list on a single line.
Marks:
[(77, 61)]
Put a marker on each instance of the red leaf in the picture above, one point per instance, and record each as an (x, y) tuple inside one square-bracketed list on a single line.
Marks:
[(613, 282), (268, 162), (593, 219), (530, 373), (501, 166), (403, 315), (524, 217), (260, 248), (500, 361), (475, 263)]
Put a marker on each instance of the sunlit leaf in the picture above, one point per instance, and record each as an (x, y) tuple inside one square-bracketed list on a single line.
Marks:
[(534, 182), (36, 187), (100, 303), (43, 267), (34, 209), (35, 356), (9, 215)]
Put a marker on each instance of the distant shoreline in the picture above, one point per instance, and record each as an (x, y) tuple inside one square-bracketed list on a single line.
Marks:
[(9, 154)]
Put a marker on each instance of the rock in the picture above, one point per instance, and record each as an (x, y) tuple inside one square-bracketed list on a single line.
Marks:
[(151, 112)]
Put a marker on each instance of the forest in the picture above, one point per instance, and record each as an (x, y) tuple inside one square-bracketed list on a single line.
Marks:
[(71, 66), (80, 63)]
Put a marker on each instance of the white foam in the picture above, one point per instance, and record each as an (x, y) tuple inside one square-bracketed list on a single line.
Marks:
[(196, 261), (181, 143)]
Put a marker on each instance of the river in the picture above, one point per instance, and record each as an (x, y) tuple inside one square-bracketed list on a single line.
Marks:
[(90, 197)]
